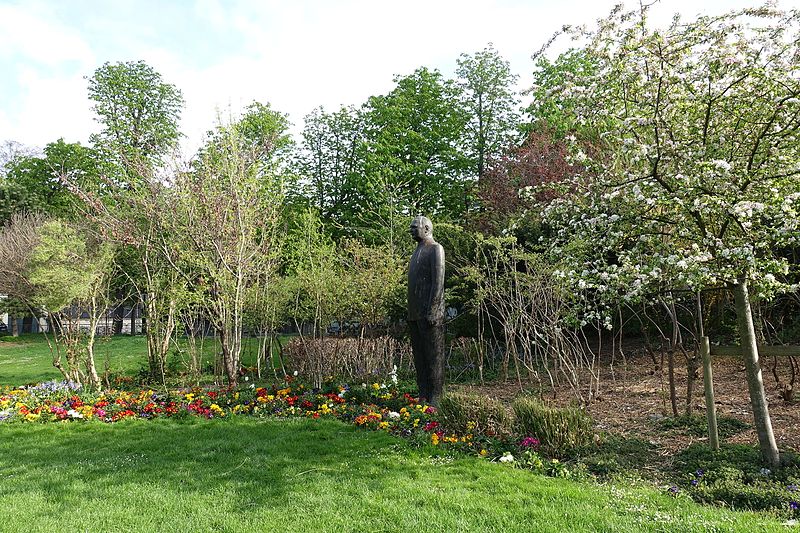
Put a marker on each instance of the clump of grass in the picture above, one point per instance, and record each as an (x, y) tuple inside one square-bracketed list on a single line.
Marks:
[(560, 430), (472, 413)]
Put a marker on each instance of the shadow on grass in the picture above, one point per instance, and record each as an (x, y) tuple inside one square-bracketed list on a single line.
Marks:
[(263, 460), (245, 474)]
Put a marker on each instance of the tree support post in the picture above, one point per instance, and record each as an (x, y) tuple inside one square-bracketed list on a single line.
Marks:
[(708, 386)]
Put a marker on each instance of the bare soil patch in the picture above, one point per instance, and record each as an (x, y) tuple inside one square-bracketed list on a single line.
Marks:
[(634, 402)]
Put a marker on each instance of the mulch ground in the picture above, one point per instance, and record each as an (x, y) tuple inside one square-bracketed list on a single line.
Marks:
[(634, 401)]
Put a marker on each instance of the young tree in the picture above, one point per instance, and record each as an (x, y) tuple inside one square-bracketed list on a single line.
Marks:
[(696, 183), (225, 214), (139, 114)]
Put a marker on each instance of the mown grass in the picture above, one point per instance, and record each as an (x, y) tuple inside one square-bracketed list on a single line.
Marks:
[(27, 358), (247, 474)]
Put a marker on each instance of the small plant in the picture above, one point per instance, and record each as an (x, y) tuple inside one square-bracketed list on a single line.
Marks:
[(560, 430), (696, 425), (474, 414)]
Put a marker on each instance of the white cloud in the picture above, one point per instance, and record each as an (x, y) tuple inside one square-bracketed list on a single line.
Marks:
[(296, 55), (29, 31)]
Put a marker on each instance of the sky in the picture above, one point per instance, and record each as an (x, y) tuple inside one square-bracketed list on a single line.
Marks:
[(294, 54)]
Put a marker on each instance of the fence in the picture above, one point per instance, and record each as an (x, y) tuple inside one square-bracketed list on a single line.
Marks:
[(707, 351)]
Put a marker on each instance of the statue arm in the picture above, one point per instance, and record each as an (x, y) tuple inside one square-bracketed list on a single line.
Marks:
[(436, 304)]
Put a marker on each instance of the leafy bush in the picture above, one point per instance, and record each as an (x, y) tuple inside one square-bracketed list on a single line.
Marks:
[(560, 430), (472, 413)]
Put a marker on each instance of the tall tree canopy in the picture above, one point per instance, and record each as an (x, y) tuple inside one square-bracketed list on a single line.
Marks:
[(139, 113), (491, 104)]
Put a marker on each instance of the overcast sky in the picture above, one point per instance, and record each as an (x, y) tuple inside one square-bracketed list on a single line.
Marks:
[(294, 54)]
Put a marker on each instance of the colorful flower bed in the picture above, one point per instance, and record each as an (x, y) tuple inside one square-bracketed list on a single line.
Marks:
[(375, 406)]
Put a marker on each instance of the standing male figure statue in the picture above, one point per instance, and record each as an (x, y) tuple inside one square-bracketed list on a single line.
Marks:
[(426, 310)]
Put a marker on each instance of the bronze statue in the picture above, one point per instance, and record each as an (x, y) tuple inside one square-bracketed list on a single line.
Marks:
[(426, 310)]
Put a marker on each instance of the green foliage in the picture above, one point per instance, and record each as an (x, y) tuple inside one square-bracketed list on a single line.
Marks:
[(464, 413), (139, 113), (66, 266), (734, 477), (37, 183), (331, 160), (560, 430), (491, 104), (697, 426), (619, 457), (413, 163)]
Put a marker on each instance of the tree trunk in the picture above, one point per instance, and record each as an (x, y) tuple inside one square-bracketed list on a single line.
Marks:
[(12, 322), (755, 384), (134, 308), (119, 312)]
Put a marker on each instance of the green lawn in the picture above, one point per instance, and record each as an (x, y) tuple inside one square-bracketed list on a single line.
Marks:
[(27, 359), (246, 474)]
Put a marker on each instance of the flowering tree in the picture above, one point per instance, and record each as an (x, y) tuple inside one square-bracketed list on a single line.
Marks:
[(696, 182)]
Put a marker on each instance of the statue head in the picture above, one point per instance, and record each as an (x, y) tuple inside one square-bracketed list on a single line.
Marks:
[(421, 228)]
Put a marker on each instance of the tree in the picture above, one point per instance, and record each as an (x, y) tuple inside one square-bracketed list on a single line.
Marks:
[(695, 186), (138, 111), (489, 99), (39, 183), (139, 114), (331, 163), (225, 213), (70, 271), (413, 161)]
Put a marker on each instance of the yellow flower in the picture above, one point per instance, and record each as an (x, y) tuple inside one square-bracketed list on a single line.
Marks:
[(189, 397), (376, 386), (30, 417), (284, 392), (5, 402), (416, 422), (471, 425), (383, 425), (484, 453), (434, 439)]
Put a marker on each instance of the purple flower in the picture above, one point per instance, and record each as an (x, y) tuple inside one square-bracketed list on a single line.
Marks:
[(699, 473), (794, 505), (529, 442), (791, 488), (694, 483), (673, 489)]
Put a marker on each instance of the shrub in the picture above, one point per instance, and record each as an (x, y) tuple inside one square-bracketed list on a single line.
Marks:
[(559, 430), (347, 358), (472, 413)]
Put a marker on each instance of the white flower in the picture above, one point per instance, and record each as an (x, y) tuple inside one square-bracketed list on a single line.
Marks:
[(507, 458), (72, 413), (295, 373), (721, 164), (394, 414)]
